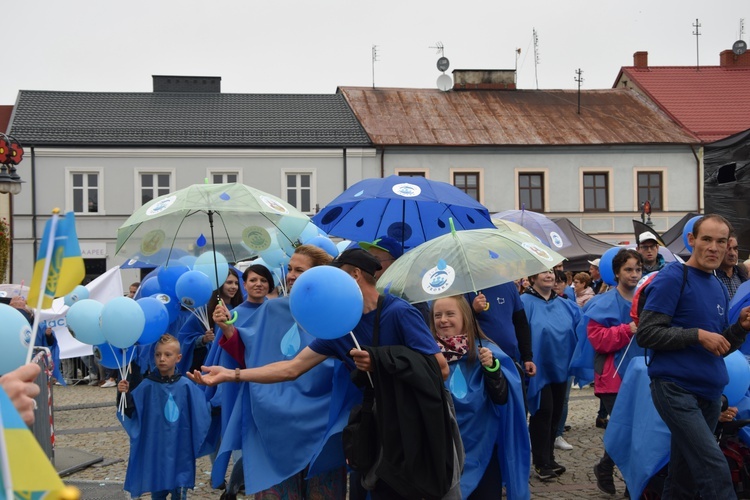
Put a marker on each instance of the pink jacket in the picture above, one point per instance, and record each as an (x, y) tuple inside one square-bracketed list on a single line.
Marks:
[(586, 295), (607, 341)]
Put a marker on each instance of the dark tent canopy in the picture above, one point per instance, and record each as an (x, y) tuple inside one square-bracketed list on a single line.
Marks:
[(727, 183), (583, 247), (673, 237)]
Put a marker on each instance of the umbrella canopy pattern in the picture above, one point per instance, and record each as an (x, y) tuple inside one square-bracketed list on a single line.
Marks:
[(539, 225), (583, 248), (465, 261), (246, 221), (410, 210)]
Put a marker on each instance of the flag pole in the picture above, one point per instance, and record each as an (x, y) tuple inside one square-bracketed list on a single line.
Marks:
[(43, 284)]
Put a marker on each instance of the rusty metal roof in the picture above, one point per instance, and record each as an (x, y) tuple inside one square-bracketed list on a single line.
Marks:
[(429, 117)]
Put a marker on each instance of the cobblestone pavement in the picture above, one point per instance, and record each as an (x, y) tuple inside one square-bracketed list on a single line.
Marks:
[(85, 419)]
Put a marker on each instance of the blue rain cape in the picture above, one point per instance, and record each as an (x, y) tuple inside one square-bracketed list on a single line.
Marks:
[(553, 340), (282, 428), (167, 434), (484, 425), (637, 438), (54, 350), (608, 309), (223, 396)]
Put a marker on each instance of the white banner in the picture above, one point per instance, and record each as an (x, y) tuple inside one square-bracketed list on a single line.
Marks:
[(103, 289)]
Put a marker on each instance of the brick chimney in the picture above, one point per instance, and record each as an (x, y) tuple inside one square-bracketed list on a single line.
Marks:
[(169, 83), (484, 79), (640, 60), (729, 59)]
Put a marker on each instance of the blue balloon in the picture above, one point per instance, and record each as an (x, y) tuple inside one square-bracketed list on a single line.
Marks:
[(157, 320), (188, 260), (605, 266), (275, 257), (172, 304), (122, 322), (83, 321), (689, 229), (310, 232), (150, 286), (323, 242), (169, 274), (15, 336), (78, 293), (110, 356), (194, 289), (739, 377), (208, 266), (344, 244), (326, 302)]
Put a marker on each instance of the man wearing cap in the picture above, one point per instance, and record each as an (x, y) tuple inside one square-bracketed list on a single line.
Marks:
[(387, 250), (597, 283), (399, 324), (648, 247)]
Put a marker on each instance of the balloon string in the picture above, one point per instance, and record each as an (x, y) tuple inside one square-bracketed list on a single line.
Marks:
[(358, 347), (617, 370), (282, 281)]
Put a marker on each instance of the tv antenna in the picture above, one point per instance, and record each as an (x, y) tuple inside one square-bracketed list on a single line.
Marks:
[(697, 33), (740, 46), (536, 57), (374, 60), (444, 82), (579, 79)]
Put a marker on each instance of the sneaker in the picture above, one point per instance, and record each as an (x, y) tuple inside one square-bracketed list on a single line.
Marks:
[(601, 423), (605, 482), (561, 444), (545, 472), (109, 383), (94, 381), (559, 469)]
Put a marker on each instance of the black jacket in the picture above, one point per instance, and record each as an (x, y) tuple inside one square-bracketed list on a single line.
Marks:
[(414, 423)]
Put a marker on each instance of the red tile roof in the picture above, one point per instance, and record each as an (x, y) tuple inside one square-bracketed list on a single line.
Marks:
[(712, 103), (429, 117)]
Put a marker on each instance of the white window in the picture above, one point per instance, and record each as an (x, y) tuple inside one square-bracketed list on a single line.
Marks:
[(468, 181), (412, 172), (154, 184), (299, 190), (84, 191), (224, 177)]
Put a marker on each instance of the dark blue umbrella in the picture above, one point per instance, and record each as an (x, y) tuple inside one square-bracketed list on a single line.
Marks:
[(539, 225), (410, 210)]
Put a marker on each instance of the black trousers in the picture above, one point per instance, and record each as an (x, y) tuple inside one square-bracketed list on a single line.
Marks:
[(543, 424)]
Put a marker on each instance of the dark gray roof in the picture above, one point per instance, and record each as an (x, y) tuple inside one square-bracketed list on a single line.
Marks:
[(184, 120)]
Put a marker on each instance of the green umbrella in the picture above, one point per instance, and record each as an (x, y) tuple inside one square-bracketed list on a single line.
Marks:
[(238, 221), (465, 261)]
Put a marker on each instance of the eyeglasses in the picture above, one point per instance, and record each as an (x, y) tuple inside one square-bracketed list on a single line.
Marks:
[(649, 247)]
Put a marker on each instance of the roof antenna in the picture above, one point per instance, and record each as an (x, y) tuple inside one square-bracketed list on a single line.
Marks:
[(374, 60), (740, 46), (536, 57), (697, 33), (440, 48), (579, 79)]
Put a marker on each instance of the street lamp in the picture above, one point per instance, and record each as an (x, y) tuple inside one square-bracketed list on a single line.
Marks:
[(11, 154)]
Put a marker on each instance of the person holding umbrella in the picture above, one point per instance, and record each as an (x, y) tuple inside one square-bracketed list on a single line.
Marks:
[(553, 321), (492, 434), (277, 442)]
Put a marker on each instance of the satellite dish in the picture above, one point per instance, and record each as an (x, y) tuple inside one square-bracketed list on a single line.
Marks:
[(443, 64), (444, 82), (739, 47)]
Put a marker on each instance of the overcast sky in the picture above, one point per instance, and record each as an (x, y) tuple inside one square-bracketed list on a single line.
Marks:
[(305, 46)]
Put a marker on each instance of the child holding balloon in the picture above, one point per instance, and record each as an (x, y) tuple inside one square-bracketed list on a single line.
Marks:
[(167, 418)]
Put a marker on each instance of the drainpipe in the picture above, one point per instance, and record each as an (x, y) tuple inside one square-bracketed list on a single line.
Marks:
[(699, 169), (346, 181), (382, 163), (33, 201)]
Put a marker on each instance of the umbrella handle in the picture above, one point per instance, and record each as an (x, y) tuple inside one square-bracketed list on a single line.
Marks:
[(234, 318)]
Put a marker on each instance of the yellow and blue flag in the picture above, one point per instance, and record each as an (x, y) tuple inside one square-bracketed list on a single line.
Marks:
[(66, 268), (28, 470)]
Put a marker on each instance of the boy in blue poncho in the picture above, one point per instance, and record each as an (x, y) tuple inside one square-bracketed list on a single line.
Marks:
[(167, 418)]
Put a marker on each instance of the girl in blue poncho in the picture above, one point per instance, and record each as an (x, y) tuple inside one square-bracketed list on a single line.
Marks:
[(494, 433), (553, 339)]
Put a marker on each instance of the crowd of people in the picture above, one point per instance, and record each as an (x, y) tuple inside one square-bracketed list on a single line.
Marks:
[(470, 391)]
